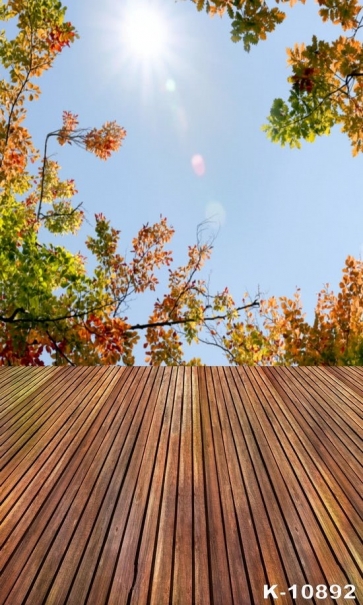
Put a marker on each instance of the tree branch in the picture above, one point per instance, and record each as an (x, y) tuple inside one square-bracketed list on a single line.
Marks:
[(59, 350), (12, 319), (57, 214), (43, 174), (321, 102), (219, 346), (20, 92), (167, 322), (157, 324)]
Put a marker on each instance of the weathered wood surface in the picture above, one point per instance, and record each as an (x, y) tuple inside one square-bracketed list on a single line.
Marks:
[(179, 486)]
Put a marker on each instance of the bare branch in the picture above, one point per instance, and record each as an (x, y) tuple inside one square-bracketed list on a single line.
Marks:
[(186, 320), (219, 346)]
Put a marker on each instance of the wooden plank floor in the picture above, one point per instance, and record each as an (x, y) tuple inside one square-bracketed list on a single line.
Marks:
[(180, 486)]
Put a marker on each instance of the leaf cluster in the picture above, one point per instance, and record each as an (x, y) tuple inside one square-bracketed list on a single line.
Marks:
[(279, 333), (326, 81)]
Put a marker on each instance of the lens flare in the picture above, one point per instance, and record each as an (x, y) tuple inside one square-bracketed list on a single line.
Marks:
[(170, 85), (198, 164)]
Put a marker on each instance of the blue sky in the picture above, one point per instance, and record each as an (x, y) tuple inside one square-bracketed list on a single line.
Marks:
[(287, 217)]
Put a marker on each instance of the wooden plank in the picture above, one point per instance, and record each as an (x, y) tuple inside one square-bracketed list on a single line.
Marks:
[(42, 438), (162, 572), (326, 458), (179, 486), (315, 441), (127, 561), (87, 516), (241, 586), (347, 554), (13, 378), (16, 392), (116, 439), (202, 589), (288, 522), (41, 522), (140, 592), (326, 424), (129, 469), (54, 578), (20, 424), (8, 374), (347, 377), (219, 576), (182, 593), (349, 390), (334, 407), (265, 509), (237, 462)]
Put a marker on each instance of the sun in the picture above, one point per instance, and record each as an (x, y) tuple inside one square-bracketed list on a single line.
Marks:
[(142, 46), (144, 33)]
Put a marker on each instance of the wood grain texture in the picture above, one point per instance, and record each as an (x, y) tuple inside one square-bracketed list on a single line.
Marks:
[(182, 486)]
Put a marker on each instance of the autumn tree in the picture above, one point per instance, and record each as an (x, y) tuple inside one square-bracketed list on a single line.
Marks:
[(48, 301), (278, 333), (326, 79)]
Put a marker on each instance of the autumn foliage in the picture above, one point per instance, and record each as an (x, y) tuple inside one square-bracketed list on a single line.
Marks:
[(327, 77), (280, 335), (48, 301)]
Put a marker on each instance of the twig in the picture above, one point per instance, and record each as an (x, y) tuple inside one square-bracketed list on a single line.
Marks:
[(59, 350)]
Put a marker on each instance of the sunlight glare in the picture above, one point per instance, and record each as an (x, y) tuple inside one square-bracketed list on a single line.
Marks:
[(145, 33)]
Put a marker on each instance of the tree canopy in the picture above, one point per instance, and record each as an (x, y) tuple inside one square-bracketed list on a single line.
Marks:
[(50, 303), (326, 77), (278, 334)]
